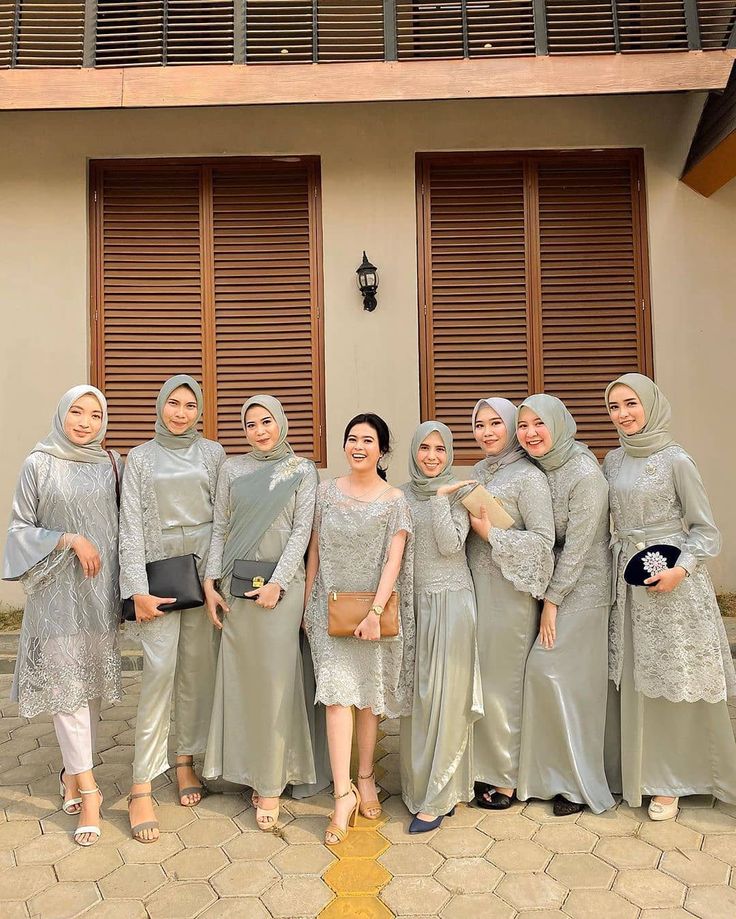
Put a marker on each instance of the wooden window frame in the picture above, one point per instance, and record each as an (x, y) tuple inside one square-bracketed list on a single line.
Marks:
[(205, 165), (424, 161)]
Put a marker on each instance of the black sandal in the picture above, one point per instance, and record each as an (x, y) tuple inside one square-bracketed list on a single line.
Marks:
[(563, 808), (498, 802)]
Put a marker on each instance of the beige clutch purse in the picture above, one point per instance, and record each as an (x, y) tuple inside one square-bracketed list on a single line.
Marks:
[(347, 609), (478, 498)]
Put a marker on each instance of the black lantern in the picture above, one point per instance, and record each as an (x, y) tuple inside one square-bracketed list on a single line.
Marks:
[(368, 283)]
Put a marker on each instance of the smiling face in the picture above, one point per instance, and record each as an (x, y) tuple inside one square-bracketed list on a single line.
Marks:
[(361, 448), (626, 410), (83, 420), (180, 412), (534, 435), (432, 455), (490, 431), (261, 429)]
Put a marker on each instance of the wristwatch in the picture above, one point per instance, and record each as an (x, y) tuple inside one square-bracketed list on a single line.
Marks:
[(378, 610)]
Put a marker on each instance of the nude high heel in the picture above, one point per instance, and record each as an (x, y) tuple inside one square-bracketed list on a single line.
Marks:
[(371, 810), (333, 829)]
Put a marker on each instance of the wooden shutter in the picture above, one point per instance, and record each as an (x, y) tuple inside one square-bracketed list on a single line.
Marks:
[(213, 269), (532, 278)]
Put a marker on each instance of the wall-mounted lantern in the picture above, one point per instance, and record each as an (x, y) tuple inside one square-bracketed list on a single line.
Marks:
[(368, 283)]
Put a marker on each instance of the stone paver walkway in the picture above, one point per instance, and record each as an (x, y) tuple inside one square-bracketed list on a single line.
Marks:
[(213, 862)]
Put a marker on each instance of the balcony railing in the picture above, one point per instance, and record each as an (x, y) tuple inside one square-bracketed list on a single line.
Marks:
[(129, 33)]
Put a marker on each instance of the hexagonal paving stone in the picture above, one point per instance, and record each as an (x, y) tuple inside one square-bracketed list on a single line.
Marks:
[(195, 864), (403, 860), (304, 829), (723, 847), (308, 859), (356, 877), (627, 852), (531, 891), (14, 835), (468, 875), (136, 853), (518, 855), (236, 908), (567, 837), (244, 879), (25, 882), (356, 908), (173, 818), (508, 826), (610, 823), (33, 807), (254, 846), (649, 888), (45, 850), (211, 832), (414, 896), (464, 816), (668, 834), (693, 867), (180, 900), (62, 901), (132, 882), (599, 904), (477, 906), (217, 805), (117, 909), (23, 774), (712, 902), (541, 812), (458, 843), (91, 864), (581, 870), (704, 820), (312, 895), (674, 912)]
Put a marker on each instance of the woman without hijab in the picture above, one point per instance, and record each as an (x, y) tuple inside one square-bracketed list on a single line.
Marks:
[(166, 511), (62, 546), (562, 728), (668, 651)]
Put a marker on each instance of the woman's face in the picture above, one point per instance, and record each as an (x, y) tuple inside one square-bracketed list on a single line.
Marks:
[(625, 409), (361, 448), (432, 454), (261, 429), (490, 431), (83, 420), (180, 410), (533, 433)]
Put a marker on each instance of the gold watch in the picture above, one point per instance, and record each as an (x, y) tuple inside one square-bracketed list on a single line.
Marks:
[(378, 610)]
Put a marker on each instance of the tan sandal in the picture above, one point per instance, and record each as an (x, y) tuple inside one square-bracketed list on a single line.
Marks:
[(192, 789), (267, 819), (136, 830), (371, 810), (337, 831)]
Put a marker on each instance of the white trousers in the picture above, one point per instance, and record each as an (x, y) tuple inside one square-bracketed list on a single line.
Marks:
[(77, 736)]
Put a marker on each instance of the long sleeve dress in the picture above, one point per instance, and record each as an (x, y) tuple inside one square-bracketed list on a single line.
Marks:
[(68, 652), (668, 652), (259, 735), (436, 742), (565, 687), (510, 574)]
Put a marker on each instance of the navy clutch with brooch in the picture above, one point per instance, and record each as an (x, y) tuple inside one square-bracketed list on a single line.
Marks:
[(650, 561)]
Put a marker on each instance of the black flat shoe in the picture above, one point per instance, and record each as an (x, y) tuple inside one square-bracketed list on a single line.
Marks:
[(498, 802), (563, 808)]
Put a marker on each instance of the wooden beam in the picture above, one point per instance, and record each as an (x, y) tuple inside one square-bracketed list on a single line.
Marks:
[(715, 169), (367, 81)]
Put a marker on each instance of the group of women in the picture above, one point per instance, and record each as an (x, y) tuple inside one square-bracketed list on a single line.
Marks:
[(525, 666)]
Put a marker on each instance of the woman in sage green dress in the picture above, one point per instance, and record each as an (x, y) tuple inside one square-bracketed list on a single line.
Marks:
[(436, 742), (668, 651), (259, 734), (564, 714), (511, 569), (166, 511)]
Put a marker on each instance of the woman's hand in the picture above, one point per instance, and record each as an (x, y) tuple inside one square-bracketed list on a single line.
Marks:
[(547, 625), (666, 581), (370, 628), (86, 552), (456, 486), (267, 596), (213, 600), (147, 606), (481, 525)]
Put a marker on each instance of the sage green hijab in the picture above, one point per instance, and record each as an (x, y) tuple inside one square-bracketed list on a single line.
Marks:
[(506, 411), (423, 486), (561, 426), (162, 434), (655, 435), (276, 410), (58, 444)]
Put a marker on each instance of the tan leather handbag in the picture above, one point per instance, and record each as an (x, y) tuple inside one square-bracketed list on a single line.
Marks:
[(347, 609)]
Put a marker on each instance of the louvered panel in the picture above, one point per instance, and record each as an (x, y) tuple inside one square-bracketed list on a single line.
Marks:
[(580, 26), (199, 32), (50, 34), (590, 302), (500, 28), (279, 31), (264, 296), (151, 292), (130, 33), (7, 22), (476, 286), (717, 22), (429, 30), (652, 25), (350, 31)]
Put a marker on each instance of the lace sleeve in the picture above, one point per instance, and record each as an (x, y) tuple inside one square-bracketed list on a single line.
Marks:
[(296, 545), (401, 517), (525, 556), (133, 578), (587, 500), (703, 539), (450, 523), (220, 524)]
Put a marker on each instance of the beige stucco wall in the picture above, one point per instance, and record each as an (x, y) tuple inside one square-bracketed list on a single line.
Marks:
[(367, 155)]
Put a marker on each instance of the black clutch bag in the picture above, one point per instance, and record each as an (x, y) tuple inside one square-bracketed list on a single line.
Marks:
[(171, 577), (248, 575), (650, 561)]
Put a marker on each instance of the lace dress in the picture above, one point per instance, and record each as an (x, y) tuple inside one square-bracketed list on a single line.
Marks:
[(68, 651), (510, 573), (436, 748), (668, 652), (354, 539), (565, 687)]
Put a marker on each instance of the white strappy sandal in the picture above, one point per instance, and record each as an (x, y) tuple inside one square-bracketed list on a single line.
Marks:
[(93, 830), (67, 806)]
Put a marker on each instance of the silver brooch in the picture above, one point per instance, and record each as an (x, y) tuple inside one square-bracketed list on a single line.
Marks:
[(654, 563)]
